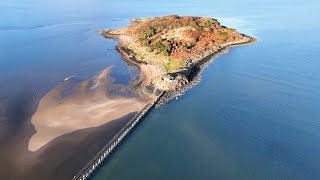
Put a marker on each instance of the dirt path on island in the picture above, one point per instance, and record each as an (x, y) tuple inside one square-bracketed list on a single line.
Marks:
[(148, 71), (125, 40)]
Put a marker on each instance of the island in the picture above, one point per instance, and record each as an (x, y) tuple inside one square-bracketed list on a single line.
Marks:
[(172, 50)]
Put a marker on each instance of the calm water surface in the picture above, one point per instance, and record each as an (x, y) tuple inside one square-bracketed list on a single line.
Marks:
[(255, 114)]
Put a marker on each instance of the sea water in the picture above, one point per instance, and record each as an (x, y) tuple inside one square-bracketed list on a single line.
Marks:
[(254, 115)]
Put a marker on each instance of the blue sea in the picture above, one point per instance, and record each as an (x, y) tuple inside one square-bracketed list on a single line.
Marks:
[(254, 115)]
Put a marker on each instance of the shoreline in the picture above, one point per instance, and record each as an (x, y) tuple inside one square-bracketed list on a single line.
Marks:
[(196, 70), (147, 71)]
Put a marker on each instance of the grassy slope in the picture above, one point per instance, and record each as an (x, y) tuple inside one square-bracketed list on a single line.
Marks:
[(171, 40)]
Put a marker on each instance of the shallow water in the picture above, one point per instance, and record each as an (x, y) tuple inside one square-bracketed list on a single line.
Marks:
[(255, 114)]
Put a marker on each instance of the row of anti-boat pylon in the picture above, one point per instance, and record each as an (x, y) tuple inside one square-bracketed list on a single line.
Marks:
[(115, 143)]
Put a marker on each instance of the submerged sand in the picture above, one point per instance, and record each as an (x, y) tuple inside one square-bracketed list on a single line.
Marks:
[(73, 106)]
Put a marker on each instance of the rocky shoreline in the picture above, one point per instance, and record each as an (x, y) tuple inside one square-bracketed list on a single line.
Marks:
[(194, 75), (196, 71)]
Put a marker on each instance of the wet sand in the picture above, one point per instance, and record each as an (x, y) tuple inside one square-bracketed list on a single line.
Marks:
[(72, 106)]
